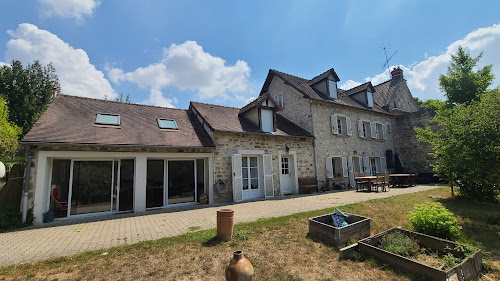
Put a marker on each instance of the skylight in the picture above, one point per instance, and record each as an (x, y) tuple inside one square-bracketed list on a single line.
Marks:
[(167, 124), (108, 119)]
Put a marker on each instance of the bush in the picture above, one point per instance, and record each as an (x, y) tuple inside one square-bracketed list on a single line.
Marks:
[(11, 217), (400, 244), (433, 219)]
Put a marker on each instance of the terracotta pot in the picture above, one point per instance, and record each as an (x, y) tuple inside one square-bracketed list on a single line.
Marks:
[(225, 222), (203, 199), (239, 268)]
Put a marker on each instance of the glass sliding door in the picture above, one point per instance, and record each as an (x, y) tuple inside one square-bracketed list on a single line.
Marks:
[(92, 187), (154, 183), (125, 180), (59, 187), (181, 181)]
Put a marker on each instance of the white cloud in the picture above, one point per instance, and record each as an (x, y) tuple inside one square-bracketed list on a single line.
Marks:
[(156, 98), (77, 75), (349, 84), (188, 67), (423, 77), (76, 9)]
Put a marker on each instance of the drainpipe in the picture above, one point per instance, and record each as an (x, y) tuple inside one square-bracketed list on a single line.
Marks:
[(26, 184), (314, 140)]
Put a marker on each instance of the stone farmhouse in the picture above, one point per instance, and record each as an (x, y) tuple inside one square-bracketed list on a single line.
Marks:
[(92, 156)]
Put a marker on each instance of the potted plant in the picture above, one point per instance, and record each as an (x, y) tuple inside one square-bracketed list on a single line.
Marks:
[(203, 198)]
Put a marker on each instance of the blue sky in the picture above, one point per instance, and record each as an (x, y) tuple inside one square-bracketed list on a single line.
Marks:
[(170, 52)]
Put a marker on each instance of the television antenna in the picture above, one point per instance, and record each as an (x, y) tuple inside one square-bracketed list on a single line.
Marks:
[(386, 64)]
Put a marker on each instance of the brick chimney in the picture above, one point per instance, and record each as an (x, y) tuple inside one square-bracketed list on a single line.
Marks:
[(397, 72)]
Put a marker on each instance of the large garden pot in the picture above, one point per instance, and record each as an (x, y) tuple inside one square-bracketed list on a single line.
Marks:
[(225, 222), (239, 268)]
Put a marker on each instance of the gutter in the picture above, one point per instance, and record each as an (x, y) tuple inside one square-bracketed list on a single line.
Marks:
[(111, 145), (26, 184), (314, 140)]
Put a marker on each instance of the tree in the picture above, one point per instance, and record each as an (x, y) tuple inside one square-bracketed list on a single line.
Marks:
[(120, 98), (467, 146), (28, 91), (461, 84), (432, 104), (8, 132)]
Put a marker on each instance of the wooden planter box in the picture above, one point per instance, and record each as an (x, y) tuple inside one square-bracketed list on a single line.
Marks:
[(321, 228), (466, 270)]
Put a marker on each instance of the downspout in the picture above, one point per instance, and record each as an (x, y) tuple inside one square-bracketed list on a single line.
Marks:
[(314, 140), (26, 183)]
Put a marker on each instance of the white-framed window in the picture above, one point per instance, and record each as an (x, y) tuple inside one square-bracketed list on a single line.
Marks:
[(285, 166), (365, 129), (250, 172), (369, 99), (107, 119), (332, 89), (336, 167), (373, 166), (341, 125), (279, 99), (167, 124), (388, 127)]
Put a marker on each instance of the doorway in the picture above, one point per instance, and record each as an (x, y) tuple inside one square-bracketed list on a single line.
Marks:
[(250, 177), (286, 175)]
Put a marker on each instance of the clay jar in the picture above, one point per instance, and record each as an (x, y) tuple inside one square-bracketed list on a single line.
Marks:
[(225, 222), (239, 268)]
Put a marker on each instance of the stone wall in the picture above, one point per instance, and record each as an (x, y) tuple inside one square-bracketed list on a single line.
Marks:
[(295, 107), (228, 144), (414, 154), (328, 144), (403, 98)]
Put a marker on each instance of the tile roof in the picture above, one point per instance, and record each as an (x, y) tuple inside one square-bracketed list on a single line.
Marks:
[(386, 89), (258, 101), (303, 86), (70, 120), (323, 76), (360, 88), (228, 119)]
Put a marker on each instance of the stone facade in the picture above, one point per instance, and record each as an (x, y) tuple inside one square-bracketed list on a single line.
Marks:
[(414, 153), (228, 144), (403, 99), (328, 144)]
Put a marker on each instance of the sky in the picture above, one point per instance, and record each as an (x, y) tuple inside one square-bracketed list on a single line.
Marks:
[(168, 53)]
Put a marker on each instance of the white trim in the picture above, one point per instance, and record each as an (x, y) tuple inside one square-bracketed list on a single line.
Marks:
[(250, 151)]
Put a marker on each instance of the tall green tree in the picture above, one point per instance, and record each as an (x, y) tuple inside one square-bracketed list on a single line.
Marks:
[(28, 91), (462, 84), (467, 143), (8, 132)]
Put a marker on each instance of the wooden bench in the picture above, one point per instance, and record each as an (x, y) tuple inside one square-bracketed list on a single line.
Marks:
[(308, 185)]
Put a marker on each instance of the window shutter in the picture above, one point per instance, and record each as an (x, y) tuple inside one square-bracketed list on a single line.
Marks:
[(384, 131), (348, 126), (344, 167), (237, 180), (360, 159), (360, 128), (335, 129), (373, 129), (329, 168), (367, 166), (383, 164), (268, 175)]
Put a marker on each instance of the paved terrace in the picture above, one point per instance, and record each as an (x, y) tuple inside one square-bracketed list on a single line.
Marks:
[(71, 236)]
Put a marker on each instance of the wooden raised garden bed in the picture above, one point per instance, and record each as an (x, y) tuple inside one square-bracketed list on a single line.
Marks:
[(322, 229), (468, 268)]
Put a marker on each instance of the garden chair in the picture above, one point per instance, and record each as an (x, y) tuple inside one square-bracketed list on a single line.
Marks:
[(361, 184), (380, 181)]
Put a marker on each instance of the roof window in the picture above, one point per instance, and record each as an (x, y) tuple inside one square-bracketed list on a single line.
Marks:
[(167, 124), (107, 119)]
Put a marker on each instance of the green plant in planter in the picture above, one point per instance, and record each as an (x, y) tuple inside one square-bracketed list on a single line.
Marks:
[(433, 219), (399, 243)]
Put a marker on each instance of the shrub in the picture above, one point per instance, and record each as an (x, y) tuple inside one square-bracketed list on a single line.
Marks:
[(433, 219), (10, 217), (399, 243)]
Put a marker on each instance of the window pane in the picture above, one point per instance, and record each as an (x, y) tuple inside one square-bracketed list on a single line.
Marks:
[(253, 161), (255, 184), (167, 124), (108, 119), (91, 187), (244, 162), (245, 184), (254, 172), (154, 183), (244, 173)]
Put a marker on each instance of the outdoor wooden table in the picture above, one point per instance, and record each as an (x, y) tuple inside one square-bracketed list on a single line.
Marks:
[(400, 180), (370, 179)]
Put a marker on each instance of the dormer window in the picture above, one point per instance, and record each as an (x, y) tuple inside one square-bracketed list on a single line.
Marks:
[(267, 119), (107, 119), (332, 89), (369, 99), (167, 124)]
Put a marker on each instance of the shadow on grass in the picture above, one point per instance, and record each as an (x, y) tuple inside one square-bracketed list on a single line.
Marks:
[(478, 221), (211, 242)]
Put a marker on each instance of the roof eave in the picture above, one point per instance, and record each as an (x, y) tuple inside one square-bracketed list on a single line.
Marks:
[(108, 145)]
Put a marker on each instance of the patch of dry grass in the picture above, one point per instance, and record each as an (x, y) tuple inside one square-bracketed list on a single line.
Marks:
[(278, 248)]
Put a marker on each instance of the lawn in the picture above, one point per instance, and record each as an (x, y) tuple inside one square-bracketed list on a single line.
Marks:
[(278, 248)]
